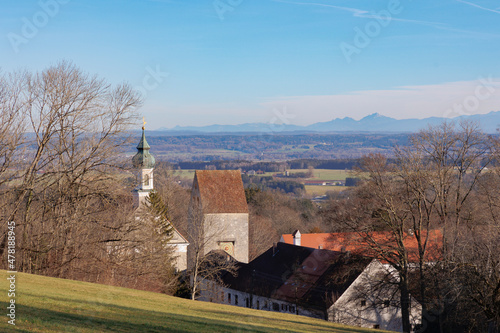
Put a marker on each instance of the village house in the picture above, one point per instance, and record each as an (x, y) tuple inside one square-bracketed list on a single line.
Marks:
[(335, 286)]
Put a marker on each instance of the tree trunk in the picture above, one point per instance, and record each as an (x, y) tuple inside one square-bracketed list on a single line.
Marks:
[(405, 302)]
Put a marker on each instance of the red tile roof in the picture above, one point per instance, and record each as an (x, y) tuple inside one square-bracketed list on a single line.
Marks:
[(221, 191), (356, 243)]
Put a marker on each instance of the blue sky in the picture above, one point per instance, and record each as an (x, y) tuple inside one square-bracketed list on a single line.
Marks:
[(236, 61)]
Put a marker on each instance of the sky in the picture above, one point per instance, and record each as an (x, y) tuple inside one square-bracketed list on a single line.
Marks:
[(204, 62)]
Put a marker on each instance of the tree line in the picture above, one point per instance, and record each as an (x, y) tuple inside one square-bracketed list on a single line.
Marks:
[(64, 181), (446, 179)]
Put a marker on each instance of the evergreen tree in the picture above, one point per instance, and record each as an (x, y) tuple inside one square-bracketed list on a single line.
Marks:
[(158, 211)]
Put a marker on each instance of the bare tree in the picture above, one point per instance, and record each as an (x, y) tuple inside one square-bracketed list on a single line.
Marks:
[(73, 133), (202, 265), (431, 184)]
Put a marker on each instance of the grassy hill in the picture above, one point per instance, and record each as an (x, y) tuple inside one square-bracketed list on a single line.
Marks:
[(55, 305)]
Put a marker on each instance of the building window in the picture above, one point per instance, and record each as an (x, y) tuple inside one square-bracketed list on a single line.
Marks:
[(229, 298), (292, 308), (258, 305), (276, 307), (363, 302), (235, 299)]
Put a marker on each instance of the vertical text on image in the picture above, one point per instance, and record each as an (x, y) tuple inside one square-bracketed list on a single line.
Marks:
[(11, 264)]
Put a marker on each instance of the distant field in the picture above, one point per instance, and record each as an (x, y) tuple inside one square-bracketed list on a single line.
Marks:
[(185, 174), (321, 190), (320, 174), (55, 305), (326, 174)]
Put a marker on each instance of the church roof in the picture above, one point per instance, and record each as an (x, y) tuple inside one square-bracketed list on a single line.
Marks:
[(221, 191), (143, 159)]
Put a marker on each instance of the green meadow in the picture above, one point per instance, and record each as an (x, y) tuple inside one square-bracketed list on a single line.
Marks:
[(46, 304)]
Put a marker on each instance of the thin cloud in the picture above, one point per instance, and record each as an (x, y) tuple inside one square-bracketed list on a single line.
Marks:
[(478, 6), (361, 13)]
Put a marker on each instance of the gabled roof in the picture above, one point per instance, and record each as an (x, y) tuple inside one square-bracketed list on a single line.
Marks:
[(177, 237), (355, 243), (298, 274), (221, 191)]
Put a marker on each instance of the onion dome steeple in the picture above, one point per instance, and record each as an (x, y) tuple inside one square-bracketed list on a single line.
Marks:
[(143, 159)]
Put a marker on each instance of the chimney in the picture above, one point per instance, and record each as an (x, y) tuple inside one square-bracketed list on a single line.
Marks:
[(296, 237)]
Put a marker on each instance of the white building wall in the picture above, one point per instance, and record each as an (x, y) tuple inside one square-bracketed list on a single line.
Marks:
[(180, 253), (366, 304), (212, 292)]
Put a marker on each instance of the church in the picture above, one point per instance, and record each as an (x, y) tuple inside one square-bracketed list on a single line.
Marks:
[(217, 215), (144, 163)]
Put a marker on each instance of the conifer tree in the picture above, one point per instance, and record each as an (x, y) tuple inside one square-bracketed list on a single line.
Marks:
[(159, 216)]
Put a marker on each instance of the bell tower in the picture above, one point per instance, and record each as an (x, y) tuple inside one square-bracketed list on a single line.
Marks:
[(145, 163)]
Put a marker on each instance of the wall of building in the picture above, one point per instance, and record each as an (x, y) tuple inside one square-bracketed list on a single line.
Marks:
[(221, 229), (372, 304), (213, 292), (180, 255)]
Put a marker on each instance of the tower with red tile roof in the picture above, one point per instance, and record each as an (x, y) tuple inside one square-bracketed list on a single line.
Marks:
[(218, 213)]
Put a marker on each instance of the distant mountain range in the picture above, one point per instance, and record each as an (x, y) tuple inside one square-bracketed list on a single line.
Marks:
[(372, 123)]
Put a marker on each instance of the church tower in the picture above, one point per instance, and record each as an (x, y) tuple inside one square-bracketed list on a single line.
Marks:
[(145, 163), (218, 215)]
